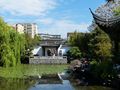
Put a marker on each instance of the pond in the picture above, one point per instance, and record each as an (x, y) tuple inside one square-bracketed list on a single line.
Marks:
[(30, 84), (64, 86), (12, 79), (91, 88)]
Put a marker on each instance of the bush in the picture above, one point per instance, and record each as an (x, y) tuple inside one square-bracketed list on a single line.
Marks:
[(102, 70), (74, 53)]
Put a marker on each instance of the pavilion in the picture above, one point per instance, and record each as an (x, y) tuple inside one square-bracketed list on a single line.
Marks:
[(112, 27)]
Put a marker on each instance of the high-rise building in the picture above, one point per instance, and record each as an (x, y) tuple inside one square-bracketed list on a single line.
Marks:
[(28, 28), (19, 28)]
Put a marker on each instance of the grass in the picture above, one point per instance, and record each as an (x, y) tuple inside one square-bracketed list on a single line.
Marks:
[(21, 71)]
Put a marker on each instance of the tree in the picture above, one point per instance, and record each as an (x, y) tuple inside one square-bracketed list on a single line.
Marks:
[(14, 47), (80, 40), (74, 53), (11, 45), (117, 43), (32, 42), (8, 57), (36, 40), (100, 45), (117, 11)]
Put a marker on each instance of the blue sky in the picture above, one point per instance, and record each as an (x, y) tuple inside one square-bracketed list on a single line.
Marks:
[(51, 16)]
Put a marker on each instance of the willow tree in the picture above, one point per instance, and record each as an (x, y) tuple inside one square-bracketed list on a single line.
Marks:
[(5, 51), (17, 44), (12, 45)]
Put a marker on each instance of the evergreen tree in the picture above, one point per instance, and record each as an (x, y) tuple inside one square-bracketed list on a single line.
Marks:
[(74, 53), (80, 40), (100, 45)]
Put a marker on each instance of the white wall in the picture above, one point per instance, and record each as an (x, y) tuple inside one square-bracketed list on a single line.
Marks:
[(38, 51), (64, 49)]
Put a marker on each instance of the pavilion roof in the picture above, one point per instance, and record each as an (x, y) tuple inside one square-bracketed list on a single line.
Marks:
[(110, 26), (110, 22)]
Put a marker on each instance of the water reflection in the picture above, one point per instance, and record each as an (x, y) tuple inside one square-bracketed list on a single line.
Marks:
[(65, 86), (29, 84), (15, 84), (91, 88)]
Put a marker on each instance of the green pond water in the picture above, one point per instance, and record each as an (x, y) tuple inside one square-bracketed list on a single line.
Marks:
[(25, 84), (30, 84)]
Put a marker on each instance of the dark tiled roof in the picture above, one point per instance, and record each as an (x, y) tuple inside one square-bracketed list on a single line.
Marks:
[(111, 26), (111, 22)]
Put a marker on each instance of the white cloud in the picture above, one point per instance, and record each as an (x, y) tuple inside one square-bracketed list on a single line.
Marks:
[(46, 21), (27, 7), (62, 27), (42, 7)]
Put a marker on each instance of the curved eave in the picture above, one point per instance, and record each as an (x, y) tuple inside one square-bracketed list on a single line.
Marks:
[(106, 22)]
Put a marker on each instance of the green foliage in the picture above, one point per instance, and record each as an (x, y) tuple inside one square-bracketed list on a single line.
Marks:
[(74, 52), (31, 42), (102, 70), (14, 46), (100, 45), (7, 56), (36, 40), (95, 44), (28, 40), (80, 40), (11, 45), (117, 11), (74, 39)]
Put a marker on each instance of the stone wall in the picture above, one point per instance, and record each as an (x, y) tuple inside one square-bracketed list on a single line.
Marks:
[(48, 60)]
